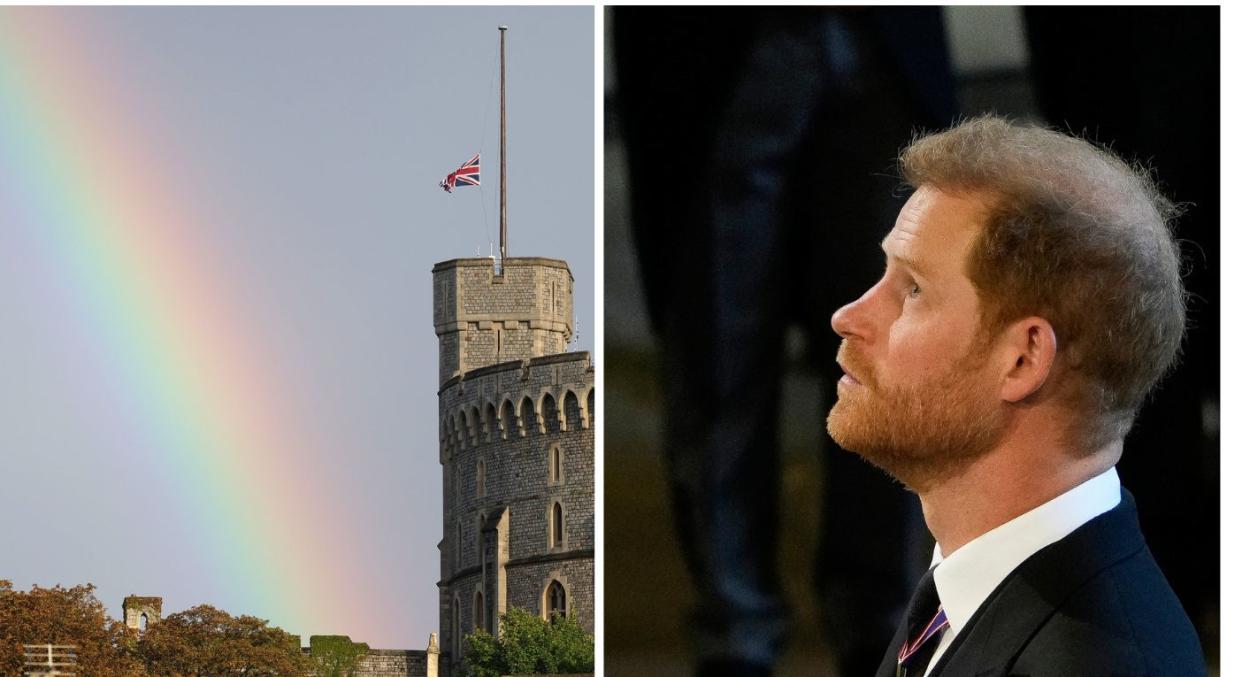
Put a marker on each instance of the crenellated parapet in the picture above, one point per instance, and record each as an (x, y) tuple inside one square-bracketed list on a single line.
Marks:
[(542, 395)]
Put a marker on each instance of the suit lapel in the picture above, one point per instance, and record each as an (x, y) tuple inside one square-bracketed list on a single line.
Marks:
[(889, 667), (1020, 605)]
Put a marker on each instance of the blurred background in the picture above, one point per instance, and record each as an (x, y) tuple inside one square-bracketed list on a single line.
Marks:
[(1144, 81)]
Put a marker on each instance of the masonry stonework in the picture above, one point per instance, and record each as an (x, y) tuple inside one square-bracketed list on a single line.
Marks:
[(484, 317), (516, 447), (392, 663), (141, 612)]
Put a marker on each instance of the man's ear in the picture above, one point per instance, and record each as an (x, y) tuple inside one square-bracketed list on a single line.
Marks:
[(1029, 347)]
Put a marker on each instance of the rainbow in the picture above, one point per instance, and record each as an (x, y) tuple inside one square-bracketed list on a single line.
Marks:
[(139, 275)]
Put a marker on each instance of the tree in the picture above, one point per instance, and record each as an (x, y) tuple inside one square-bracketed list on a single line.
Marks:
[(59, 615), (207, 641), (530, 645), (336, 655)]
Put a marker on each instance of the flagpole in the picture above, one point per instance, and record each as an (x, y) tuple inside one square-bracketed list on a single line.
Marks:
[(504, 216)]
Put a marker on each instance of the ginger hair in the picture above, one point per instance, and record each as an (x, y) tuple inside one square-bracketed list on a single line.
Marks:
[(1075, 235)]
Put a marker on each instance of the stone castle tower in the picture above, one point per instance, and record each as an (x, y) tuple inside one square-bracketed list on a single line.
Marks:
[(516, 446), (141, 612)]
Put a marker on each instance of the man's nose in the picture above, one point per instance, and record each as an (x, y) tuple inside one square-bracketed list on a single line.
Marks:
[(852, 321)]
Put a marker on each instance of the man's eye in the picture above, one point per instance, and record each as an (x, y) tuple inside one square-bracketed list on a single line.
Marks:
[(915, 290)]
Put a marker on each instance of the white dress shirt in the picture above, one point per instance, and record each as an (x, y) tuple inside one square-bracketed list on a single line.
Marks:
[(965, 578)]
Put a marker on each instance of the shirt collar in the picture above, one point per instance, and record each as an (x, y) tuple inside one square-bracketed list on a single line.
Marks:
[(965, 578)]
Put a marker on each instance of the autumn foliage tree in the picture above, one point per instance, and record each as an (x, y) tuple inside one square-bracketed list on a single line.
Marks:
[(207, 641), (194, 643), (61, 615)]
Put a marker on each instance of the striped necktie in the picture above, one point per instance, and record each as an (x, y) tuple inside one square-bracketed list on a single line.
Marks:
[(919, 646)]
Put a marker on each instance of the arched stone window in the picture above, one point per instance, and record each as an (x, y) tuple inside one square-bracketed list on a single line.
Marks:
[(548, 414), (479, 615), (530, 422), (556, 465), (492, 424), (508, 420), (142, 622), (480, 479), (572, 412), (455, 624), (482, 524), (554, 601), (556, 532)]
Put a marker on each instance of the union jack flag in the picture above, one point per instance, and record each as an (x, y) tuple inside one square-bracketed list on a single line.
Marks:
[(465, 175)]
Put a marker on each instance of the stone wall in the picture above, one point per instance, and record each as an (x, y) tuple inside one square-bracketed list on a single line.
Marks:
[(528, 581), (513, 417), (483, 318), (389, 663), (134, 607), (392, 663)]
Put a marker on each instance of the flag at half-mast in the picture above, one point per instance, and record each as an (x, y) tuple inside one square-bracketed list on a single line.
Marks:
[(465, 175)]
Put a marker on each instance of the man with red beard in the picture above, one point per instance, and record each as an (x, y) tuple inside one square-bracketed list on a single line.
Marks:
[(1031, 299)]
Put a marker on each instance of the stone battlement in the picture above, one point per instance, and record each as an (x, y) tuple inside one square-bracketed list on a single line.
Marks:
[(517, 398), (510, 262)]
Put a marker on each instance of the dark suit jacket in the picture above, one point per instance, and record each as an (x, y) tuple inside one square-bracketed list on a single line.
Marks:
[(1093, 603)]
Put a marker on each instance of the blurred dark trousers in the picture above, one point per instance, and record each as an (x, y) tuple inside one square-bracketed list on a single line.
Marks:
[(762, 148)]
